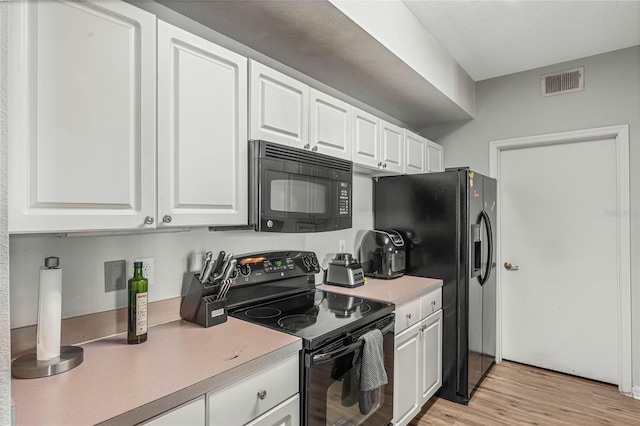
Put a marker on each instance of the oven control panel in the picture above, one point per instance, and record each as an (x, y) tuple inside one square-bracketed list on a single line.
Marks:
[(269, 266)]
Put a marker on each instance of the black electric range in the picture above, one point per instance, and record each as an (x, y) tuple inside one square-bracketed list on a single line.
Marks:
[(277, 290)]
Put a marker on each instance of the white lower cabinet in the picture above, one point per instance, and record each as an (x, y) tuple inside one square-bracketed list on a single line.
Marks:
[(285, 414), (190, 414), (418, 356), (431, 348), (264, 398), (406, 393)]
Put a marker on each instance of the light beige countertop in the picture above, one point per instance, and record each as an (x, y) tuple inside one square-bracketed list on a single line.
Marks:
[(398, 290), (119, 383)]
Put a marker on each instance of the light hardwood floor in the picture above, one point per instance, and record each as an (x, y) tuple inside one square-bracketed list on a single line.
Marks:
[(519, 394)]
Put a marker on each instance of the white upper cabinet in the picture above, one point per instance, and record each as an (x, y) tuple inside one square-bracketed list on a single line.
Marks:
[(366, 138), (392, 147), (82, 108), (202, 131), (329, 125), (415, 147), (279, 107), (434, 157)]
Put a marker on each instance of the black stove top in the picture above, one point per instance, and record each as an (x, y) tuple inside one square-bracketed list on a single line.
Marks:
[(315, 316)]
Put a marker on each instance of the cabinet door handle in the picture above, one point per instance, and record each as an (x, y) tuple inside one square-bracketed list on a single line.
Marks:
[(315, 148), (167, 219), (380, 164), (408, 316), (148, 220), (262, 394), (384, 166), (306, 146)]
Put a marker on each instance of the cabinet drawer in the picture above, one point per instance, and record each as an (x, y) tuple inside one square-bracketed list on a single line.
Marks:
[(407, 314), (285, 414), (189, 414), (240, 402), (429, 303)]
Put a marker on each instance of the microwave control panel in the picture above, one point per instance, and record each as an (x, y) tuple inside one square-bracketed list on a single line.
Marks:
[(344, 198)]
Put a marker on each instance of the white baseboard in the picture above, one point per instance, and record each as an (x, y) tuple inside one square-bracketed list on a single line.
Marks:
[(636, 392)]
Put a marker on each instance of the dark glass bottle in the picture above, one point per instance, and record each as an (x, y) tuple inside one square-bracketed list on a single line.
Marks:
[(137, 318)]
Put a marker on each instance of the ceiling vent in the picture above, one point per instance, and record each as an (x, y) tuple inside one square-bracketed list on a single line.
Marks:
[(563, 82)]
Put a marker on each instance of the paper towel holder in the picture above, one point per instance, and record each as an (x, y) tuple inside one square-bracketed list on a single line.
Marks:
[(29, 367)]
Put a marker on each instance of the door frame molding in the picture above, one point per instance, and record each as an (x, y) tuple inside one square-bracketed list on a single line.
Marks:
[(621, 135)]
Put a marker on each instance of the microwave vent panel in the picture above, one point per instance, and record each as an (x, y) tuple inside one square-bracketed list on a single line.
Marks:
[(563, 82), (283, 152)]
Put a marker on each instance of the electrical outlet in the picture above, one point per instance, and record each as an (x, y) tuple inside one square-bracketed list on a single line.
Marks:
[(341, 246), (147, 268)]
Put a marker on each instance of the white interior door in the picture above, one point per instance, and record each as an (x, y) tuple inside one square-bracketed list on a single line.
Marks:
[(558, 224)]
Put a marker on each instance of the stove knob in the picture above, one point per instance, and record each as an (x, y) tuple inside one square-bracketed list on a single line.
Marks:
[(314, 260), (245, 270), (305, 261)]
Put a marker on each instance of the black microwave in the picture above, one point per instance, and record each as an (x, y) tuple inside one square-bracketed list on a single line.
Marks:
[(296, 190)]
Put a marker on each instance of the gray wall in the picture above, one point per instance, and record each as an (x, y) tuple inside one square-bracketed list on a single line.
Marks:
[(511, 107)]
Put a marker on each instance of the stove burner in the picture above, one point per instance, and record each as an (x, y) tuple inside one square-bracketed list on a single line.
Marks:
[(296, 322), (364, 309), (263, 312)]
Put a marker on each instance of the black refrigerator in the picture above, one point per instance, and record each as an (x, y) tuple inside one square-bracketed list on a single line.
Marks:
[(448, 222)]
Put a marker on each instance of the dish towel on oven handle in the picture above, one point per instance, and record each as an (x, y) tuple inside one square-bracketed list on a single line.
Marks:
[(368, 364)]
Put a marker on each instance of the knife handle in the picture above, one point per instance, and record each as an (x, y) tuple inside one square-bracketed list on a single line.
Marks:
[(207, 273), (218, 265), (207, 259), (230, 268)]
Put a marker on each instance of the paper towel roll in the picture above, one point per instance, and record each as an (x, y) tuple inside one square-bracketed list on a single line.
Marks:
[(49, 314)]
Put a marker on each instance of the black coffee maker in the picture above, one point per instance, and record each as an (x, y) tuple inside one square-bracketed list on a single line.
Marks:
[(383, 254)]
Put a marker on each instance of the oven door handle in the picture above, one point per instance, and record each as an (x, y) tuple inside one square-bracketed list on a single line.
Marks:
[(330, 356)]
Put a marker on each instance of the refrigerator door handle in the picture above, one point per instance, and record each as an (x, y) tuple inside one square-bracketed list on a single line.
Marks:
[(487, 221)]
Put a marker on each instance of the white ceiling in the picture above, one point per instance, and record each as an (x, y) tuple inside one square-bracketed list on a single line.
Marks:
[(494, 38)]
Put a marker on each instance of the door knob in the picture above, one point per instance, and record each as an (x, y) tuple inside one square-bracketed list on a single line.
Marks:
[(510, 266)]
